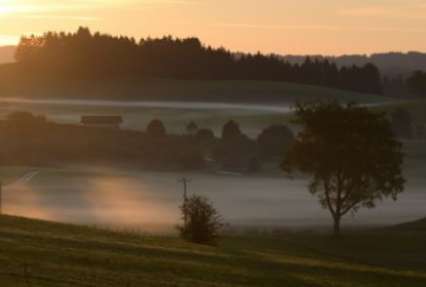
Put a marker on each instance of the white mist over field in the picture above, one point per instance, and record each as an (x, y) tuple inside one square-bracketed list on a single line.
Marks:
[(149, 201), (121, 198)]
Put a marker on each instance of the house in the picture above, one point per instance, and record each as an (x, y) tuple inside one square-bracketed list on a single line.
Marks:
[(102, 121)]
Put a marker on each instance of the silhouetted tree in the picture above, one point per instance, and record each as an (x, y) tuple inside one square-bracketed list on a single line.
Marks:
[(402, 123), (254, 165), (202, 221), (274, 141), (417, 83), (351, 154), (191, 128), (231, 131), (205, 136), (156, 129)]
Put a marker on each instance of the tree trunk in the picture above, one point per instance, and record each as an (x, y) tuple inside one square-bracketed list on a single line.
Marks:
[(336, 228)]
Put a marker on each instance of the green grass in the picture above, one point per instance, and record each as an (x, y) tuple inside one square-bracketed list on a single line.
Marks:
[(35, 253), (168, 89)]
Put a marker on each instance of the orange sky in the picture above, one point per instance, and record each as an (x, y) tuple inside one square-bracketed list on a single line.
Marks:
[(280, 26)]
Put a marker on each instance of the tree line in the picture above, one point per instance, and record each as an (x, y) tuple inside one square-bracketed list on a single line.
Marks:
[(412, 85), (33, 140), (100, 56)]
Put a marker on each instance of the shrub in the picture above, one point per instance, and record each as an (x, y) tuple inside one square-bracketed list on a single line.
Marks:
[(202, 223)]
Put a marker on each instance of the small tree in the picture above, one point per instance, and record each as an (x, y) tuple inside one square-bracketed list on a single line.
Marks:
[(275, 140), (191, 128), (230, 131), (156, 129), (402, 123), (202, 222), (351, 154)]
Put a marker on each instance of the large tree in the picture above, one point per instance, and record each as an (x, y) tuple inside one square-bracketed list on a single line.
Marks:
[(351, 154)]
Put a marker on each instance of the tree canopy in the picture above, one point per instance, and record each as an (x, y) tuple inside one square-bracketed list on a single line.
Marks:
[(350, 153), (417, 83), (274, 140), (156, 129), (83, 54)]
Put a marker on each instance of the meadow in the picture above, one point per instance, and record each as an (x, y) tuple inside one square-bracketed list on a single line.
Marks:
[(83, 256)]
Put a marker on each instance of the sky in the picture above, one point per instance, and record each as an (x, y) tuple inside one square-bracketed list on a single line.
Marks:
[(331, 27)]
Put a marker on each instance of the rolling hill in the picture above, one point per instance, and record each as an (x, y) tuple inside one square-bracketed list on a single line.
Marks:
[(176, 90), (36, 253)]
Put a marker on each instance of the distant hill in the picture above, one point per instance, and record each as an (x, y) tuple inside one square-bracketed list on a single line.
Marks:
[(7, 54), (390, 64)]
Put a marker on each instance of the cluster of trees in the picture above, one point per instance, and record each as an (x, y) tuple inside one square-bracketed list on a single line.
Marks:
[(33, 140), (417, 83), (83, 54), (405, 126), (412, 85)]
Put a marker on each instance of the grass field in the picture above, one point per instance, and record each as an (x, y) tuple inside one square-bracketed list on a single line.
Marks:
[(35, 253), (177, 90)]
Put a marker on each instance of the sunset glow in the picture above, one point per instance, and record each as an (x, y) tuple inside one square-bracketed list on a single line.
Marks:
[(281, 26)]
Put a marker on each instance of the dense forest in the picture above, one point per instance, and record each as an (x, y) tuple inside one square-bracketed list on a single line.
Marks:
[(86, 55)]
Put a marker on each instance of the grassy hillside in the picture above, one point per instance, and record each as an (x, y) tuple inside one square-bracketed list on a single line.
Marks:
[(34, 253), (12, 85)]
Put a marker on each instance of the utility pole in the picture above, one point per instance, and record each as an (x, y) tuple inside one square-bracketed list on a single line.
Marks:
[(1, 197), (185, 181)]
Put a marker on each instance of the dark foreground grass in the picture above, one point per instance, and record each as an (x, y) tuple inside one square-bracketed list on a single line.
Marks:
[(34, 253)]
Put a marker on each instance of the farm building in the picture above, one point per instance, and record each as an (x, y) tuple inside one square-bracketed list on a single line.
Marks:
[(102, 121)]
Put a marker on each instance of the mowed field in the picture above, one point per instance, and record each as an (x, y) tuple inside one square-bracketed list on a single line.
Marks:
[(35, 253)]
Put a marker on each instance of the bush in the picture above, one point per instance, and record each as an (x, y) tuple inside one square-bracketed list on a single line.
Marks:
[(202, 223)]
